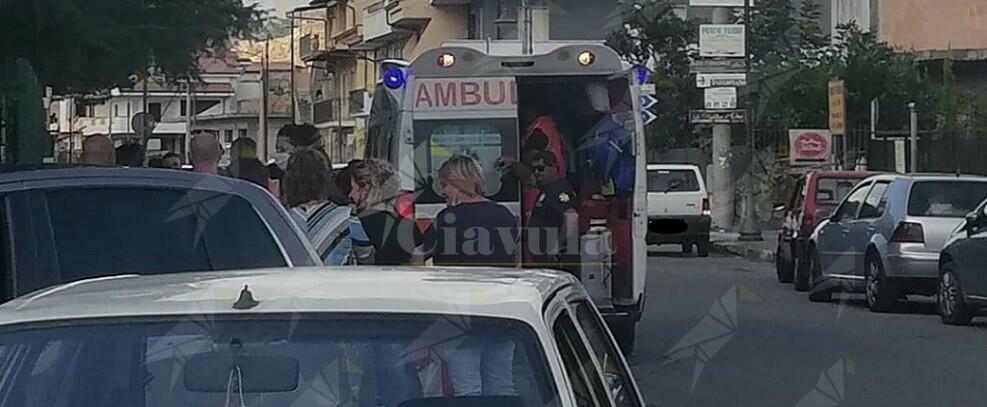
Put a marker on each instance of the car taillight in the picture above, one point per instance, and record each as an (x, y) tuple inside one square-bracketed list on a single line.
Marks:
[(405, 205), (908, 232), (706, 210)]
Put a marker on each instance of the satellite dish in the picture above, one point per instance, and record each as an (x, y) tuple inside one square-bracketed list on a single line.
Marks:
[(143, 124)]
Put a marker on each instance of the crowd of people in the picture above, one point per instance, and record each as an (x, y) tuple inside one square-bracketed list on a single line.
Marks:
[(350, 215)]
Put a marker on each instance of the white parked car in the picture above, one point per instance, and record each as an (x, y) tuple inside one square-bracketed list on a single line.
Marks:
[(313, 337), (678, 207)]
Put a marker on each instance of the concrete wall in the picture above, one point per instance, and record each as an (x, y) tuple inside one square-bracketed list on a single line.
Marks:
[(934, 24)]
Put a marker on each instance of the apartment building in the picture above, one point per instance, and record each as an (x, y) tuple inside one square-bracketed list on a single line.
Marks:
[(357, 34), (932, 29), (226, 101)]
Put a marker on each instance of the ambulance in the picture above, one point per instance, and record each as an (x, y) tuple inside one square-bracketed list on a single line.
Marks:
[(470, 99)]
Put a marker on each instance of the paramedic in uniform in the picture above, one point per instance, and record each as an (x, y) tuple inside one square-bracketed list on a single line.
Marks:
[(553, 229)]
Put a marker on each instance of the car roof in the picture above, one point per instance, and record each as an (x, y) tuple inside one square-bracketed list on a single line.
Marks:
[(841, 174), (506, 293), (930, 177), (28, 177), (652, 167)]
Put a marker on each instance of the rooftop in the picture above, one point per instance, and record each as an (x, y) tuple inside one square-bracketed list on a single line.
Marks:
[(494, 293)]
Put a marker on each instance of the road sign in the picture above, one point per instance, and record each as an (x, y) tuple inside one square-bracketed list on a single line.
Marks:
[(837, 108), (717, 66), (719, 3), (648, 101), (713, 80), (810, 147), (648, 117), (717, 116), (721, 98), (721, 40), (649, 89)]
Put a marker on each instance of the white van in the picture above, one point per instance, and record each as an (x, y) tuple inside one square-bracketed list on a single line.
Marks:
[(678, 207)]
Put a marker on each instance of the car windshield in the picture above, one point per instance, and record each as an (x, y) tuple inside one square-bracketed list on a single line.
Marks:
[(93, 232), (672, 181), (945, 199), (830, 191), (295, 361), (691, 162)]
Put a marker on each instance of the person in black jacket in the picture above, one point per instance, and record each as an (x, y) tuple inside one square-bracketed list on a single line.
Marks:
[(472, 230)]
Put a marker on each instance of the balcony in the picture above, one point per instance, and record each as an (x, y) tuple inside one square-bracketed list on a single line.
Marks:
[(408, 14)]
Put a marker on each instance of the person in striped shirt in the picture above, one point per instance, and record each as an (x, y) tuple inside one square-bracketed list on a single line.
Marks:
[(335, 232)]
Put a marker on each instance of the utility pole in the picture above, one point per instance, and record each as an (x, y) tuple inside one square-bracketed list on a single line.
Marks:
[(524, 29), (262, 135), (294, 107), (913, 138), (188, 119), (749, 230), (722, 174)]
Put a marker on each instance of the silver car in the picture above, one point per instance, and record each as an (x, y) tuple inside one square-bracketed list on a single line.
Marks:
[(885, 237)]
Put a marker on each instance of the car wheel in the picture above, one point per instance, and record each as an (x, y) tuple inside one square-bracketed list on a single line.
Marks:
[(625, 332), (803, 272), (785, 268), (702, 248), (952, 309), (686, 248), (879, 291)]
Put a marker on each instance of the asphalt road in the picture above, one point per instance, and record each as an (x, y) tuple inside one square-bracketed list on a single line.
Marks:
[(722, 331)]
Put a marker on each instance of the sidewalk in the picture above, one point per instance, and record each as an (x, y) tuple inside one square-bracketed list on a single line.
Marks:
[(728, 243)]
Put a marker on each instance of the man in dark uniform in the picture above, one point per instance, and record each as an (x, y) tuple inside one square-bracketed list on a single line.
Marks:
[(553, 229)]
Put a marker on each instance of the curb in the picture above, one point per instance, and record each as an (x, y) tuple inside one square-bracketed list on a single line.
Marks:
[(737, 249)]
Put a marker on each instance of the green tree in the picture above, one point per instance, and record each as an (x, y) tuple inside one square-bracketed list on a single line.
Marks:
[(654, 36), (85, 45), (774, 36), (813, 41)]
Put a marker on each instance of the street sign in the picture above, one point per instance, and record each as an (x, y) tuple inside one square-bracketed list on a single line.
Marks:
[(721, 98), (717, 66), (721, 40), (649, 89), (648, 101), (713, 80), (719, 3), (810, 147), (717, 116), (648, 117), (837, 107)]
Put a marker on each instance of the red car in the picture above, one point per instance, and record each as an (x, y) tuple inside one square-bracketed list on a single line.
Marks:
[(813, 199)]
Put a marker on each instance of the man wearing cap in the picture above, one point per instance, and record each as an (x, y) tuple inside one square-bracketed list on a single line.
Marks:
[(553, 228)]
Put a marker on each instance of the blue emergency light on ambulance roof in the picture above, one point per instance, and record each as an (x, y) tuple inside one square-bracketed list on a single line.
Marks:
[(394, 78)]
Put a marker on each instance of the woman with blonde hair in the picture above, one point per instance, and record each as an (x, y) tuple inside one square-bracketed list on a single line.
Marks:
[(472, 230), (374, 191)]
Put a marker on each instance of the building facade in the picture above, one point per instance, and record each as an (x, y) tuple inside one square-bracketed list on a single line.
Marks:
[(225, 101)]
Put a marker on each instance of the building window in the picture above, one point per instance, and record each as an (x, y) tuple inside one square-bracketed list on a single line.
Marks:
[(227, 136), (474, 30), (116, 110), (242, 133), (155, 110), (183, 109), (506, 23)]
